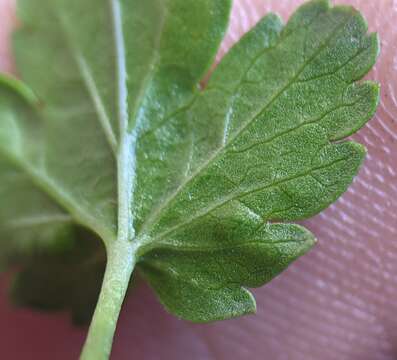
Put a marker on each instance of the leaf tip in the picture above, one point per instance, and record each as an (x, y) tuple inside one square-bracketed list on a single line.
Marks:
[(251, 304), (307, 238), (376, 44), (359, 148), (357, 153), (375, 89)]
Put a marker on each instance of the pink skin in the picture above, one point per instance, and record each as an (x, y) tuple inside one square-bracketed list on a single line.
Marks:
[(337, 302)]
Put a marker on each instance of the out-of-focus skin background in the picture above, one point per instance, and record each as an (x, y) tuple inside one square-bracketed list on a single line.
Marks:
[(337, 303)]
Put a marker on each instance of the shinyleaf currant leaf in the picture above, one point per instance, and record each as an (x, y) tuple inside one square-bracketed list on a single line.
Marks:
[(110, 132)]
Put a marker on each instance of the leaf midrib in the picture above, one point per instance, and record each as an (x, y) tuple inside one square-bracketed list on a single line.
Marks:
[(125, 163), (126, 156)]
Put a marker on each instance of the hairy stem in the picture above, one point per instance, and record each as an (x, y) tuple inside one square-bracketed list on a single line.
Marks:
[(120, 264)]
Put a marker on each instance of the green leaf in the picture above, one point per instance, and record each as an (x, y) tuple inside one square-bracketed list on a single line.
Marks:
[(192, 185), (30, 220), (274, 113), (65, 281), (200, 279)]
